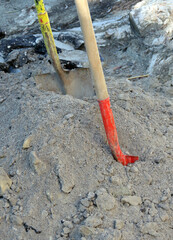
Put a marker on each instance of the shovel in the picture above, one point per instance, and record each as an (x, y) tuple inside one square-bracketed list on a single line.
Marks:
[(100, 84), (76, 82)]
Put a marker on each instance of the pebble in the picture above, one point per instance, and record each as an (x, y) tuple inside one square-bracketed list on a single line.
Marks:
[(49, 195), (163, 216), (44, 213), (85, 202), (36, 164), (91, 196), (68, 224), (93, 221), (105, 201), (134, 169), (5, 182), (101, 191), (168, 103), (150, 228), (66, 230), (152, 210), (116, 180), (132, 200), (118, 191), (148, 178), (87, 231), (76, 220), (119, 224), (27, 142), (69, 116), (66, 177)]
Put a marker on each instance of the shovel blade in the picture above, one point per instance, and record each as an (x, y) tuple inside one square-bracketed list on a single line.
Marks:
[(77, 83)]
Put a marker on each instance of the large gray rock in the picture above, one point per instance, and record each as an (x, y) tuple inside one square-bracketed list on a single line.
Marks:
[(152, 20)]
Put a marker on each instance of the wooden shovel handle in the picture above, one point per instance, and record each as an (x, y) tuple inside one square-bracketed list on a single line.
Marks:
[(92, 49)]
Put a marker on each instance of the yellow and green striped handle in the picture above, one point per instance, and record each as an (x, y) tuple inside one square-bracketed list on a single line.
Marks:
[(47, 34)]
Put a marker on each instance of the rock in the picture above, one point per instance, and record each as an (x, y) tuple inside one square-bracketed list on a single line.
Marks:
[(152, 210), (150, 228), (119, 191), (17, 42), (68, 224), (66, 230), (27, 17), (3, 64), (12, 56), (36, 164), (134, 169), (101, 191), (44, 214), (156, 29), (91, 196), (93, 221), (105, 201), (166, 195), (76, 57), (168, 103), (63, 46), (86, 231), (76, 220), (163, 216), (69, 37), (148, 178), (116, 180), (132, 200), (5, 182), (49, 195), (27, 142), (160, 16), (66, 177), (16, 220), (119, 224), (85, 202), (69, 116)]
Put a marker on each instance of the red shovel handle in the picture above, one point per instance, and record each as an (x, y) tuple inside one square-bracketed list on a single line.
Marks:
[(111, 133), (99, 82)]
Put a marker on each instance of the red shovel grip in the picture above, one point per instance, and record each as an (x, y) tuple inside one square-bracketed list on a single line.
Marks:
[(111, 133)]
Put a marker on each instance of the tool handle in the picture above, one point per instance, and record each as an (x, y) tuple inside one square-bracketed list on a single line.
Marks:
[(47, 35), (92, 49)]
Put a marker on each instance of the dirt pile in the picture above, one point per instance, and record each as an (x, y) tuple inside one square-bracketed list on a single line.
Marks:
[(58, 179)]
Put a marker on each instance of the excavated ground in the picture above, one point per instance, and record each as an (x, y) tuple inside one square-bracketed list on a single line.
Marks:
[(65, 182)]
